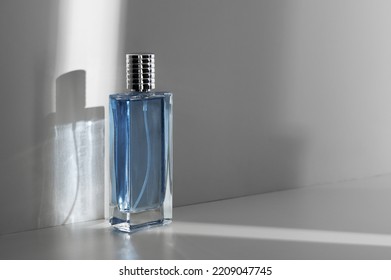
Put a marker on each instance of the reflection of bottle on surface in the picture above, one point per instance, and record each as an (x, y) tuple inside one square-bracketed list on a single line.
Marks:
[(140, 149)]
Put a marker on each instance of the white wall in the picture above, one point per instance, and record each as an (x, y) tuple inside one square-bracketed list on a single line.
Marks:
[(58, 62), (269, 95)]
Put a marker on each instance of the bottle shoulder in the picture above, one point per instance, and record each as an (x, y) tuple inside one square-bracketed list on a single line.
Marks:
[(140, 95)]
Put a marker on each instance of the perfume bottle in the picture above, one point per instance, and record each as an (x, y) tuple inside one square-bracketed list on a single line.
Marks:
[(140, 149)]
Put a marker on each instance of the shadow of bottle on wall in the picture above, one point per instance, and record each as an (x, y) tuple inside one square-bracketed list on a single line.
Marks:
[(73, 159)]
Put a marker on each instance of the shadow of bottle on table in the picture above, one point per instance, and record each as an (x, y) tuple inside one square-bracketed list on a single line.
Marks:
[(73, 157)]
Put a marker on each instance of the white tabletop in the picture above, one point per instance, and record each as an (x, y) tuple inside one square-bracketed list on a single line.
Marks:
[(346, 220)]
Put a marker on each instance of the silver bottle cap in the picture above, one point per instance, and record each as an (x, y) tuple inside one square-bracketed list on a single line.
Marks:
[(140, 71)]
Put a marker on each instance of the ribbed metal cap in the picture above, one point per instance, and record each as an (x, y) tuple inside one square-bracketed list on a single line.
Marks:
[(140, 72)]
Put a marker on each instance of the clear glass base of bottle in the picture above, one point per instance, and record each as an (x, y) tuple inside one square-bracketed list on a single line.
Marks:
[(131, 222)]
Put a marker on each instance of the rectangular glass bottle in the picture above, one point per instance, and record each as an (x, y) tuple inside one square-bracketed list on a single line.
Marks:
[(140, 159)]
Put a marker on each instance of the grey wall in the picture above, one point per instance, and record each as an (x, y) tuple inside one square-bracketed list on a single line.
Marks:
[(225, 62), (269, 95), (26, 66)]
